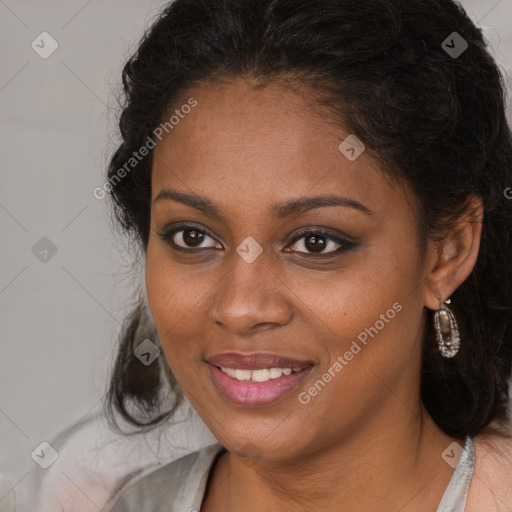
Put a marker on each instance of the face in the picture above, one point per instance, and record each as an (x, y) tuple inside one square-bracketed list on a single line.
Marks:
[(244, 263)]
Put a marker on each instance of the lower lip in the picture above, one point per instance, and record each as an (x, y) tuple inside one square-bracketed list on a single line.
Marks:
[(243, 392)]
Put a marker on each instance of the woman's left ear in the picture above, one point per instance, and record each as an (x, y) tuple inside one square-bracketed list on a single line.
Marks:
[(452, 259)]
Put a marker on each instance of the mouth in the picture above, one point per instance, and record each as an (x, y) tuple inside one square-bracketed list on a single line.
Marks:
[(256, 379)]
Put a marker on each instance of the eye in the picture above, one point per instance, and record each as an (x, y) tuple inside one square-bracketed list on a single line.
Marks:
[(188, 237), (319, 242)]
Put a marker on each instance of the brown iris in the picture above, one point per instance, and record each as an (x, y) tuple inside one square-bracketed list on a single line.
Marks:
[(193, 237), (314, 243)]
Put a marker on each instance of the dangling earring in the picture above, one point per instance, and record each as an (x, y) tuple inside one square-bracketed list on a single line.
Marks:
[(447, 331)]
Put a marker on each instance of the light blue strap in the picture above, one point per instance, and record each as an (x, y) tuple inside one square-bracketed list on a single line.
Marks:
[(454, 498)]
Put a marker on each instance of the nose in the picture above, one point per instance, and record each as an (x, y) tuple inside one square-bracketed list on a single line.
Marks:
[(250, 297)]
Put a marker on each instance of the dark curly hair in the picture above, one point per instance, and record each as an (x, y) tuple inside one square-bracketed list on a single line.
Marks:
[(433, 120)]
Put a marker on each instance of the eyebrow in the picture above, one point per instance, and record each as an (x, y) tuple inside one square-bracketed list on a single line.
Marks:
[(278, 211)]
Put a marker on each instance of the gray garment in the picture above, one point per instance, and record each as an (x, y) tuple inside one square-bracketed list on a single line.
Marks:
[(175, 487), (180, 485)]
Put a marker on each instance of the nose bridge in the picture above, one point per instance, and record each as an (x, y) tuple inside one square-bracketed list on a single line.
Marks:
[(249, 294)]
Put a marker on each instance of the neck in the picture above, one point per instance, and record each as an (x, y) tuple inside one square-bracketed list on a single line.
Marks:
[(373, 468)]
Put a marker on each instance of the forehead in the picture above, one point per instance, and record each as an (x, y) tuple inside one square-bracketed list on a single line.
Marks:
[(265, 143)]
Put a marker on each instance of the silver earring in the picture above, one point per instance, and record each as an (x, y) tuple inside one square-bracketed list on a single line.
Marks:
[(447, 331)]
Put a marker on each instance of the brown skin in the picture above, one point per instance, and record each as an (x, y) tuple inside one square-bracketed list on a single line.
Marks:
[(365, 442)]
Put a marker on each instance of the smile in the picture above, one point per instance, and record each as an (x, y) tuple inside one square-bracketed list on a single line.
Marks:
[(261, 375), (257, 388)]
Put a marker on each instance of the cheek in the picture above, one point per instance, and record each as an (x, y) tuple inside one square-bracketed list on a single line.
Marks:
[(369, 314), (354, 298), (173, 290), (177, 298)]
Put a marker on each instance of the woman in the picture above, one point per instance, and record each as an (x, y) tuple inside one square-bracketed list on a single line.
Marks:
[(319, 190)]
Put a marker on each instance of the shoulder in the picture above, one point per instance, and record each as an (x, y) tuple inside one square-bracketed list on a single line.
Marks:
[(180, 478), (491, 485)]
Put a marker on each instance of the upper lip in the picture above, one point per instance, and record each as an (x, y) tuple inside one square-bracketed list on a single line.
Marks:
[(255, 361)]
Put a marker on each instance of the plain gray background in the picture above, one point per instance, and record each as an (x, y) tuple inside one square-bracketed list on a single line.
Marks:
[(60, 318)]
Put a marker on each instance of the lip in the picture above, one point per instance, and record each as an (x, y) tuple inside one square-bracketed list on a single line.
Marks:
[(255, 361), (256, 394)]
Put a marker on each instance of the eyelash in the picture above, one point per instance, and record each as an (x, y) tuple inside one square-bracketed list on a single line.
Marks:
[(345, 245)]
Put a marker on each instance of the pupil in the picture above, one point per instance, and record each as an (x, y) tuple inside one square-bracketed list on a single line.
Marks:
[(193, 237), (315, 243)]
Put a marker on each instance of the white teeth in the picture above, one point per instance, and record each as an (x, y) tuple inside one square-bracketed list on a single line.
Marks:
[(275, 373), (262, 375), (243, 374), (229, 371)]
